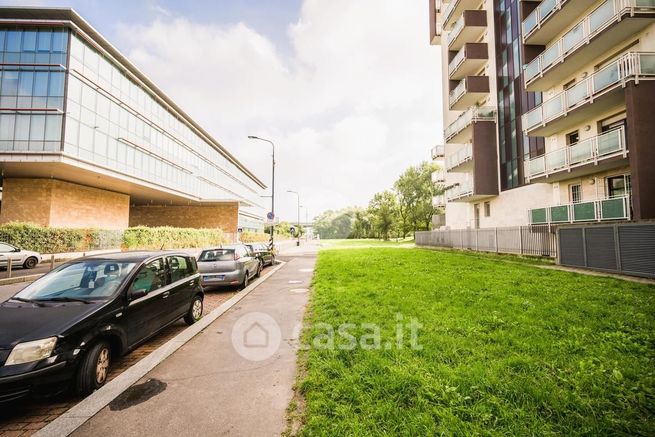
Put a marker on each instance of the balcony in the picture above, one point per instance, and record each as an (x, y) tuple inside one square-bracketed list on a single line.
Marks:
[(616, 208), (439, 201), (604, 89), (460, 131), (468, 61), (455, 8), (438, 177), (436, 29), (583, 158), (611, 23), (459, 159), (550, 18), (437, 152), (438, 220), (469, 27), (460, 191), (468, 92)]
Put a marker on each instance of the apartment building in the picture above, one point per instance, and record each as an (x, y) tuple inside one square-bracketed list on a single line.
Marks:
[(88, 140), (546, 118)]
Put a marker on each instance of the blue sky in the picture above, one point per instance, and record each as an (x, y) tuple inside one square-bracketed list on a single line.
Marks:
[(349, 90)]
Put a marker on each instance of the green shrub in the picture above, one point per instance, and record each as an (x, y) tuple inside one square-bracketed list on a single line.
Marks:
[(142, 237), (254, 237), (41, 239)]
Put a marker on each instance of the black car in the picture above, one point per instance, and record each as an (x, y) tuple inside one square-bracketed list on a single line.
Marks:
[(263, 252), (68, 326)]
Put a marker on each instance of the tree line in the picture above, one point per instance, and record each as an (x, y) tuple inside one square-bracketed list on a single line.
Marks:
[(397, 212)]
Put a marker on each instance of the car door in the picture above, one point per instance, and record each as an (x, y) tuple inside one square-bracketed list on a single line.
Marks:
[(8, 251), (252, 262), (182, 285), (146, 314)]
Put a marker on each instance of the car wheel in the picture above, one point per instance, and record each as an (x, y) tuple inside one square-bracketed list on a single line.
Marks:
[(94, 369), (246, 280), (30, 262), (259, 270), (195, 311), (273, 260)]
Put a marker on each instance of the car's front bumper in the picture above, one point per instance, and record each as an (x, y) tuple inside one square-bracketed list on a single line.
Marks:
[(44, 381), (221, 279)]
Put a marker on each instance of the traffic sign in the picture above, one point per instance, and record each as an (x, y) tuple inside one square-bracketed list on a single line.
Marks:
[(270, 216)]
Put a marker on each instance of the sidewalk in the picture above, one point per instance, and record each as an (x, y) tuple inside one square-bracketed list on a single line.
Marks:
[(207, 387)]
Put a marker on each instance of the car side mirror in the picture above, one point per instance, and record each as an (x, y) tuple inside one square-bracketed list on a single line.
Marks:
[(137, 294), (16, 250)]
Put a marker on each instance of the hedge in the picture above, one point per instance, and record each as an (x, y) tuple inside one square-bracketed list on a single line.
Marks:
[(254, 237), (58, 240)]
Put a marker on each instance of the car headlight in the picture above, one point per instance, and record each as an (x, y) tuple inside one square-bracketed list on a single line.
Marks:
[(31, 351)]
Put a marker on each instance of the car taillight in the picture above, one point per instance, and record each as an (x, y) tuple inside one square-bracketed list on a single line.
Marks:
[(236, 256)]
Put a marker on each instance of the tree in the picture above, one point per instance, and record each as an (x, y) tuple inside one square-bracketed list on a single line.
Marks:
[(335, 224), (415, 191), (383, 209)]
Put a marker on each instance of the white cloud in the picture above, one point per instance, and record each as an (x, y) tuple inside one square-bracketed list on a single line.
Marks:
[(357, 102)]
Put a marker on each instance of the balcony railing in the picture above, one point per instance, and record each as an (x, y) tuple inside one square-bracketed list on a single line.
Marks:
[(477, 113), (631, 65), (541, 12), (437, 152), (584, 152), (456, 30), (457, 93), (460, 190), (438, 177), (457, 60), (615, 208), (463, 155), (605, 14), (439, 201), (449, 9)]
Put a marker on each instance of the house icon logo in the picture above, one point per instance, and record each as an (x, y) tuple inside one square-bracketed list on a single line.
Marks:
[(256, 336)]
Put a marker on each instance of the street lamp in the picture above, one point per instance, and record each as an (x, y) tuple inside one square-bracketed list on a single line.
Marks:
[(298, 197), (253, 137)]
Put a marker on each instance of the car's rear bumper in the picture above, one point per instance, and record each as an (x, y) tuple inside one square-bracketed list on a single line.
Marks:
[(44, 381), (221, 279)]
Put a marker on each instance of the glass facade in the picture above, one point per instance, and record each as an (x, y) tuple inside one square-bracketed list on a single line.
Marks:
[(32, 83), (111, 120), (513, 100)]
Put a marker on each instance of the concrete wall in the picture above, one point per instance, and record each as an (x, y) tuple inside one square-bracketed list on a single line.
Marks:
[(51, 202), (225, 216)]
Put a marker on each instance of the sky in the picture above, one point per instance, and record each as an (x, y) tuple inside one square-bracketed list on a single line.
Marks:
[(349, 90)]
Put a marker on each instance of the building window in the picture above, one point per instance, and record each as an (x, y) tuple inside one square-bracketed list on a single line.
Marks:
[(476, 215), (575, 193), (572, 138), (618, 186), (487, 209)]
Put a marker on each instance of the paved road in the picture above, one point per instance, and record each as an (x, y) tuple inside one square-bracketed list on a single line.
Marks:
[(19, 271), (6, 291), (210, 386)]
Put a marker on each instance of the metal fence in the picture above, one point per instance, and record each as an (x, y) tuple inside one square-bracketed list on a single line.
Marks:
[(522, 240), (627, 248)]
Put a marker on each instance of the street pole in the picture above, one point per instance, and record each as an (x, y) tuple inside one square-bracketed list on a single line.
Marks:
[(252, 137), (298, 224)]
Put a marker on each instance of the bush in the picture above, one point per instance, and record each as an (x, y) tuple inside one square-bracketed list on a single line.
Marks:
[(254, 237), (41, 239), (142, 237)]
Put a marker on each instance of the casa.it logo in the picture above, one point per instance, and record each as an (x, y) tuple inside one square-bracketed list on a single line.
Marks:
[(256, 336)]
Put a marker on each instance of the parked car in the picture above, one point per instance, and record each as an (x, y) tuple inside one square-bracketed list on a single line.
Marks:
[(228, 265), (19, 257), (263, 252), (68, 326)]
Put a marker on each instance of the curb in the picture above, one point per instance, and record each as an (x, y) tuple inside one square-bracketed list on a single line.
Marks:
[(17, 279), (77, 415)]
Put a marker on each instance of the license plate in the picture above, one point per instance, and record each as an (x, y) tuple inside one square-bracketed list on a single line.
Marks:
[(219, 277)]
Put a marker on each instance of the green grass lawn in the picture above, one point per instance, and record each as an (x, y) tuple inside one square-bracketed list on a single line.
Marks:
[(353, 242), (508, 348)]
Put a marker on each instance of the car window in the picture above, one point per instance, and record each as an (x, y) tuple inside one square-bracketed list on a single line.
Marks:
[(90, 279), (179, 266), (217, 255), (151, 277), (6, 248)]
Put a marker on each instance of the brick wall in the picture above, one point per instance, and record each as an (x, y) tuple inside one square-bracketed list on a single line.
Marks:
[(51, 202), (225, 217)]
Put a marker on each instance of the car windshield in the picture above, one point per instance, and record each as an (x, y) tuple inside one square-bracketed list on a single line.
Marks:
[(84, 280), (217, 255)]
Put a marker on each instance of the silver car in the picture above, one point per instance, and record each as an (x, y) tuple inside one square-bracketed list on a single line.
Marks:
[(19, 257), (228, 265)]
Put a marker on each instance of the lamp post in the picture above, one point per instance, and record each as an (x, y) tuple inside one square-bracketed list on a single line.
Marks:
[(298, 230), (253, 137)]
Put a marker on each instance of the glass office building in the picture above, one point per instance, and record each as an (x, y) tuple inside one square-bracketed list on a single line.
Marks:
[(73, 109)]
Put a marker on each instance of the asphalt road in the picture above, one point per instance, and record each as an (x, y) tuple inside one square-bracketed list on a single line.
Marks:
[(19, 271)]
